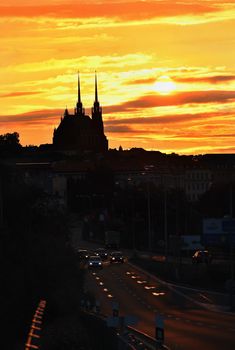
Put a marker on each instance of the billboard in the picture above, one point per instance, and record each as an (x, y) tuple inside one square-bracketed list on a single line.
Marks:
[(212, 226), (218, 226), (219, 231)]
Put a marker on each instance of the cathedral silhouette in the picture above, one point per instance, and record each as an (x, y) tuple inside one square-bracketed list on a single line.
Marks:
[(79, 132)]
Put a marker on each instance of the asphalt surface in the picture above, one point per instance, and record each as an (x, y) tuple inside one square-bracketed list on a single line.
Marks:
[(188, 325)]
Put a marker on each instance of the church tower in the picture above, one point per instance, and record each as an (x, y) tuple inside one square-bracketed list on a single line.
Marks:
[(97, 110), (78, 132), (79, 111)]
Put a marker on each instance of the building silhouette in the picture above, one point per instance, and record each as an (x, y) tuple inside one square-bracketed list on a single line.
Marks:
[(78, 131)]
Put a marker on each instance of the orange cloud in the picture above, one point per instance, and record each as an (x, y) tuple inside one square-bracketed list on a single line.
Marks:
[(142, 81), (34, 117), (181, 98), (128, 10), (216, 79), (20, 93), (167, 119)]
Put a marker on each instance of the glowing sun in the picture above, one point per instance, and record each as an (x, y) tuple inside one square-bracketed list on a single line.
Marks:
[(164, 85)]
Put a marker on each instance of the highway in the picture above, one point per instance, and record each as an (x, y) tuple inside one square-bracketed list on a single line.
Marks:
[(187, 325)]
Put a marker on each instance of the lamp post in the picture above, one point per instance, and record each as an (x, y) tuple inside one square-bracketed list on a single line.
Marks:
[(1, 204), (132, 202), (148, 168), (231, 253), (165, 223), (149, 217)]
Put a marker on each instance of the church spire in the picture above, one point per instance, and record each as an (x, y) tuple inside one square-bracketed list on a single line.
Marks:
[(97, 110), (96, 89), (80, 110), (79, 91)]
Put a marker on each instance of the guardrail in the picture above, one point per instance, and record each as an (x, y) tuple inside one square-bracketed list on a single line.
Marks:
[(129, 337), (35, 328), (141, 338)]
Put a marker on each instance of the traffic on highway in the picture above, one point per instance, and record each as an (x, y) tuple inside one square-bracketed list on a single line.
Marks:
[(190, 317)]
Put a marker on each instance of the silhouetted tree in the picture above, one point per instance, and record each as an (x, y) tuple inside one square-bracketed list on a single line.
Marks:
[(10, 143)]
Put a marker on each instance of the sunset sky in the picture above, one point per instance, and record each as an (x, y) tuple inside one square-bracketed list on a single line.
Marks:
[(166, 70)]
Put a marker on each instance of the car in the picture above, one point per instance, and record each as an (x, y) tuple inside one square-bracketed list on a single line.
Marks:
[(102, 253), (94, 262), (83, 254), (202, 256), (116, 257)]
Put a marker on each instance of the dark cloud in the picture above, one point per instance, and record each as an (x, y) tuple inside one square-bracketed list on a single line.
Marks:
[(180, 98), (119, 128), (20, 93), (216, 79)]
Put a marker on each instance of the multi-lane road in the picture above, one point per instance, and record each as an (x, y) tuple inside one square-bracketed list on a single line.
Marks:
[(187, 324)]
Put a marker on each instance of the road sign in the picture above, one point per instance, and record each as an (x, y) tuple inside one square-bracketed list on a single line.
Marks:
[(115, 308), (228, 225), (130, 320), (97, 307), (112, 321), (120, 322), (212, 226), (159, 331)]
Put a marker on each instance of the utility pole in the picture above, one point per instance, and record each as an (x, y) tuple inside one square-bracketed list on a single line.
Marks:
[(231, 252), (133, 223), (149, 217), (148, 170), (1, 204), (165, 223)]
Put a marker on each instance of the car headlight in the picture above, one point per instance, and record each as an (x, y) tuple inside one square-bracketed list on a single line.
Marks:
[(99, 263), (113, 258), (90, 263)]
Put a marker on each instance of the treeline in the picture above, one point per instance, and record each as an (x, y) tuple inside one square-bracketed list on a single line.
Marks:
[(10, 143)]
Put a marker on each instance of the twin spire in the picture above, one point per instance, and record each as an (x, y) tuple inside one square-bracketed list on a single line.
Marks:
[(96, 89), (79, 91), (80, 109)]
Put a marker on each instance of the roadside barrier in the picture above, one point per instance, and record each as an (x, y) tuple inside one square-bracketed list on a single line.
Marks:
[(33, 340), (129, 338)]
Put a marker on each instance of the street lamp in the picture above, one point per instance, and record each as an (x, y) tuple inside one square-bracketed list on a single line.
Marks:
[(148, 168), (231, 252), (165, 222), (149, 218)]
